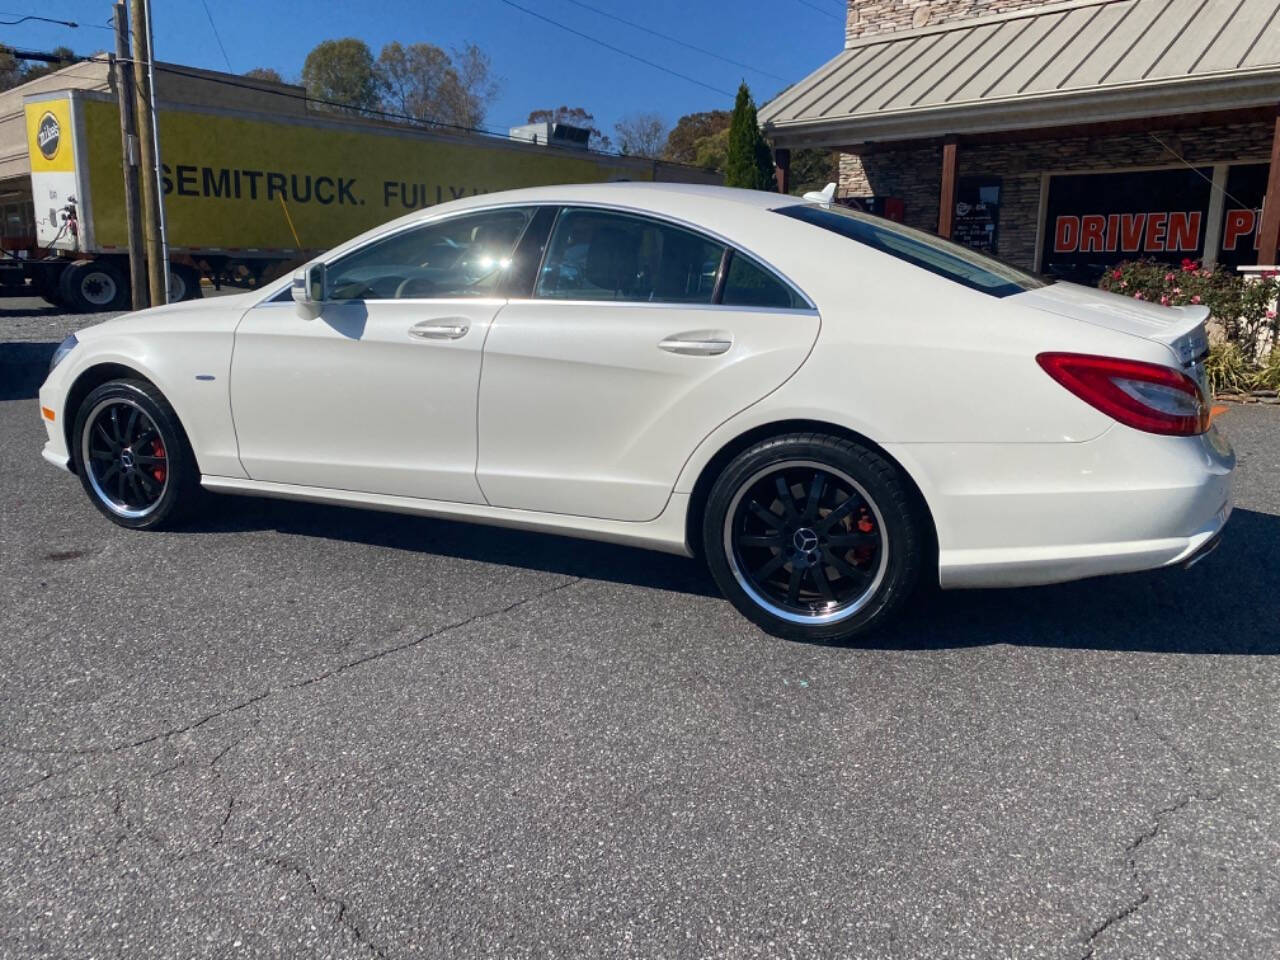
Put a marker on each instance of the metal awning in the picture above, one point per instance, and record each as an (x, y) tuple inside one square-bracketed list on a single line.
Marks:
[(1087, 61)]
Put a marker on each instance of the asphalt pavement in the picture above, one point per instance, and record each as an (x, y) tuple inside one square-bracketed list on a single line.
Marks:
[(294, 730)]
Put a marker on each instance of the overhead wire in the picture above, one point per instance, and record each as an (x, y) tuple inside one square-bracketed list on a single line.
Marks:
[(677, 40), (373, 112), (615, 49), (214, 27)]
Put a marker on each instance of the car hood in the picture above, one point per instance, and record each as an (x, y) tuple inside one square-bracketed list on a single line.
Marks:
[(188, 313), (1179, 328)]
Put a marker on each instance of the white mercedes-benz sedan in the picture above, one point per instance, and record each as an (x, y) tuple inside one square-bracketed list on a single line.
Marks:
[(829, 407)]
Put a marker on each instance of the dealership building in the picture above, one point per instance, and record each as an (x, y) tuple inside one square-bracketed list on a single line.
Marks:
[(1064, 137)]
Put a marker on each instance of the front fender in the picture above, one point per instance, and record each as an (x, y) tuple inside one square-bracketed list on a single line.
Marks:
[(191, 368)]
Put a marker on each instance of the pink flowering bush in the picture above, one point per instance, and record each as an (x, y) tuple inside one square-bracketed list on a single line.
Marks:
[(1241, 308)]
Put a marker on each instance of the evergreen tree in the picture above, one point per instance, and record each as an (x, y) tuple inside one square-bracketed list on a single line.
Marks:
[(749, 162)]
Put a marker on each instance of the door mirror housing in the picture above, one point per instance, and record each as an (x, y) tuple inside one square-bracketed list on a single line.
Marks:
[(309, 289)]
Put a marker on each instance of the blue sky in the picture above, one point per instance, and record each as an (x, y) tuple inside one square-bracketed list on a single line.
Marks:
[(540, 65)]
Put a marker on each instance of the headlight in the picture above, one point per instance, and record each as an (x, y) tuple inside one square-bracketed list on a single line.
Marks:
[(65, 347)]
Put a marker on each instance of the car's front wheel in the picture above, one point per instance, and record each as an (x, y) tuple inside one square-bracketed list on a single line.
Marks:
[(813, 537), (133, 457)]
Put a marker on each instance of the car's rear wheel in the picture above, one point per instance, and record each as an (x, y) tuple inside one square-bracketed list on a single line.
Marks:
[(813, 537), (133, 457)]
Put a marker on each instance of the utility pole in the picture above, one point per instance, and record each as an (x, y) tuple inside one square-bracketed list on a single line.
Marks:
[(129, 151), (157, 275)]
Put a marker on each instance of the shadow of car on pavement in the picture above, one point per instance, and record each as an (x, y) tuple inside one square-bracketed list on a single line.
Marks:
[(1229, 603)]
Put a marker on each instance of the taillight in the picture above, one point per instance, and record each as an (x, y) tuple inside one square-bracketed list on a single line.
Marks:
[(1145, 396)]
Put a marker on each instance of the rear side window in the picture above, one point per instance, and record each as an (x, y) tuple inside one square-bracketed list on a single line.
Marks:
[(928, 252), (747, 284), (603, 255)]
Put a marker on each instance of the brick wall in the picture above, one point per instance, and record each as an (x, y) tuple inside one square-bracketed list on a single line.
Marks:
[(915, 174), (868, 17)]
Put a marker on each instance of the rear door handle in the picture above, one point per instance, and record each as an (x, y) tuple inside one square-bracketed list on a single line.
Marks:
[(699, 343), (446, 328)]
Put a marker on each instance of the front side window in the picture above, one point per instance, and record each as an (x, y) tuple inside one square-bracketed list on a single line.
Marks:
[(463, 256), (603, 255), (957, 263)]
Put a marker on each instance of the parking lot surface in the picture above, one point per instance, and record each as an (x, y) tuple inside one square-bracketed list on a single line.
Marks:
[(299, 730)]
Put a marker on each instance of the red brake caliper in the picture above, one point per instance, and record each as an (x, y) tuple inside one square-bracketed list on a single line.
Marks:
[(862, 555), (157, 450)]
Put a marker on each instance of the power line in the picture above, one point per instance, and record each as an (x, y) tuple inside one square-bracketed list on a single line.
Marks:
[(619, 50), (214, 28), (22, 19), (207, 77), (823, 10), (690, 46), (62, 23)]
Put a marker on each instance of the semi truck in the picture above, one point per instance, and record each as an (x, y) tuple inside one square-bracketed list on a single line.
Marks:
[(255, 179)]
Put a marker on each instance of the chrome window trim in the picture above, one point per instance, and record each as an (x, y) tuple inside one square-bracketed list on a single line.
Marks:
[(560, 205), (702, 231)]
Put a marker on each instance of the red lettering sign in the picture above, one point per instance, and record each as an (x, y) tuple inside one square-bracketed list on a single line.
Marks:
[(1184, 231), (1131, 231), (1066, 235), (1240, 223), (1091, 229), (1155, 231)]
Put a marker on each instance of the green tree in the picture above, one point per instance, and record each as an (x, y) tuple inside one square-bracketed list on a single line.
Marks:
[(264, 73), (813, 169), (341, 71), (10, 71), (749, 163), (713, 151), (685, 139), (427, 83), (38, 68)]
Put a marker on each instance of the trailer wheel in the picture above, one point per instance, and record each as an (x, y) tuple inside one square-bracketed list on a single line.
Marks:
[(184, 283), (89, 286)]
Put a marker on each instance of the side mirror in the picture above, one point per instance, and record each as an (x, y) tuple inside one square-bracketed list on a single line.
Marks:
[(309, 289)]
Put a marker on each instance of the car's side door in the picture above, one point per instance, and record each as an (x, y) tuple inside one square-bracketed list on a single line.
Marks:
[(377, 392), (637, 338)]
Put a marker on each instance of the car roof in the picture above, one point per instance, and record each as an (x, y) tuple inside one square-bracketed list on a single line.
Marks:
[(672, 197)]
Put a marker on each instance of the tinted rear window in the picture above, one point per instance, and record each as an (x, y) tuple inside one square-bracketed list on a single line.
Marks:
[(957, 263), (748, 284)]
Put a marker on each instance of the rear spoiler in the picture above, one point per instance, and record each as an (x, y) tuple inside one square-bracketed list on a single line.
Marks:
[(1188, 339)]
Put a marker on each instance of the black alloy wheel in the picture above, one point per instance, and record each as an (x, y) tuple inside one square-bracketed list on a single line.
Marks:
[(805, 541), (814, 537), (133, 457), (125, 458)]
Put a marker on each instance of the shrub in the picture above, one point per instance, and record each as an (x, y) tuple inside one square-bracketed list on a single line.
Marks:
[(1242, 310)]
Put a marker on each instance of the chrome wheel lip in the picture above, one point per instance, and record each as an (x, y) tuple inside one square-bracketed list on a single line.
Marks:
[(111, 503), (839, 613)]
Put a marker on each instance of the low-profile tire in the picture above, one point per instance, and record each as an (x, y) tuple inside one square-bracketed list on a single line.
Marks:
[(822, 568), (90, 286), (133, 457)]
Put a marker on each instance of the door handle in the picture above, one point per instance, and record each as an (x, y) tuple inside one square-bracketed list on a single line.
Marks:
[(446, 328), (701, 343)]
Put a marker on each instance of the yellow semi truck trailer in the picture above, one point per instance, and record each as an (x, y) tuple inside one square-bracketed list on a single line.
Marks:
[(254, 179)]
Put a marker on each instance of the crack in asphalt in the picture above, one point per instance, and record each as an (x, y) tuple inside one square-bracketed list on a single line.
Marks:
[(343, 916), (127, 829), (273, 691), (1158, 818)]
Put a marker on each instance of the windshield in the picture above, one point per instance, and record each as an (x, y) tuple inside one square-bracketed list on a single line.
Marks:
[(957, 263)]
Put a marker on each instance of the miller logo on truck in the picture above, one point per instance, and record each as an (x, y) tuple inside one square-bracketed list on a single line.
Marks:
[(48, 134)]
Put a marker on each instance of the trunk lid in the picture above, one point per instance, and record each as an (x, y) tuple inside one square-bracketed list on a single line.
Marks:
[(1181, 329)]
